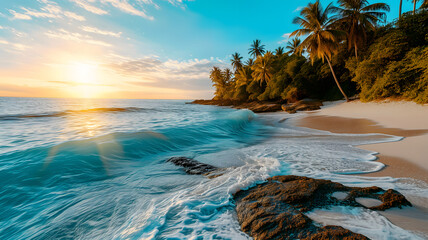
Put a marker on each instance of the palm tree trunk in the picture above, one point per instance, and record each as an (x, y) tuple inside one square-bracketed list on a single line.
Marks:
[(337, 82), (356, 51), (414, 7), (401, 7)]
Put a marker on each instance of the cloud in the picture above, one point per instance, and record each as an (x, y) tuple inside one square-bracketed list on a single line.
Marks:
[(173, 74), (99, 31), (14, 31), (73, 84), (74, 16), (285, 37), (75, 37), (49, 10), (88, 7), (133, 7), (14, 46), (298, 9), (20, 16), (126, 7)]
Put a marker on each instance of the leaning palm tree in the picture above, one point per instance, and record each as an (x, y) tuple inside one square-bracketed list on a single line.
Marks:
[(414, 6), (262, 68), (322, 40), (357, 17), (279, 51), (424, 5), (256, 49), (293, 46), (236, 61)]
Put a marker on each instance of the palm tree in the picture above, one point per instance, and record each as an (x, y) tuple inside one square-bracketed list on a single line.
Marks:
[(256, 49), (279, 51), (262, 68), (243, 76), (401, 8), (236, 61), (250, 62), (357, 17), (424, 4), (414, 6), (293, 46), (219, 82), (322, 40)]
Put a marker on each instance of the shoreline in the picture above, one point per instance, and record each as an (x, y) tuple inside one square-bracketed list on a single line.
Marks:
[(404, 159), (395, 166)]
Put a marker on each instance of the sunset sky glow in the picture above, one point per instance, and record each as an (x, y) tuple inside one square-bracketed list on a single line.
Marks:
[(153, 49)]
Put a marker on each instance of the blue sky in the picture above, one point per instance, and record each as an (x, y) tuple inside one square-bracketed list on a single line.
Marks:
[(133, 48)]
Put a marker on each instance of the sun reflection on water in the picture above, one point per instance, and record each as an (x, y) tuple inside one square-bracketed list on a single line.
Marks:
[(89, 128)]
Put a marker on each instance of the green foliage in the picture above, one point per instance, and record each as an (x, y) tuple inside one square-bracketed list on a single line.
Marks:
[(407, 78), (415, 27), (392, 63), (396, 63)]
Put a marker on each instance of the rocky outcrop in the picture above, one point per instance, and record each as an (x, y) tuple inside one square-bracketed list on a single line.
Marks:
[(257, 107), (216, 102), (191, 166), (275, 209), (302, 105)]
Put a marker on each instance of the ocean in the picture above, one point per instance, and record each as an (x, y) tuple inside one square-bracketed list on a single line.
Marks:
[(96, 169)]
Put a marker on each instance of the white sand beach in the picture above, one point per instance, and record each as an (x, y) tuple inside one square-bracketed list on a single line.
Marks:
[(407, 158)]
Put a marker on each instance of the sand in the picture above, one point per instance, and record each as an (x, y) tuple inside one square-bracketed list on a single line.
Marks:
[(407, 158)]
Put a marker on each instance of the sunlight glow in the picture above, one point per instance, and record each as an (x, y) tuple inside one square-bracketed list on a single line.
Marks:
[(84, 73), (85, 76)]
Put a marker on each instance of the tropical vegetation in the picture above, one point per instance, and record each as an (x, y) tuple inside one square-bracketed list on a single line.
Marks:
[(338, 51)]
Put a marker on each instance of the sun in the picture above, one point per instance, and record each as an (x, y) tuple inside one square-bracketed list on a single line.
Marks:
[(84, 73), (84, 77)]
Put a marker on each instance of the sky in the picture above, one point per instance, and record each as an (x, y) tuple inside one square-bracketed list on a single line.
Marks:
[(145, 49)]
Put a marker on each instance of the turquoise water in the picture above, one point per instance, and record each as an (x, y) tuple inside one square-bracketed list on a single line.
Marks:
[(86, 168), (95, 169)]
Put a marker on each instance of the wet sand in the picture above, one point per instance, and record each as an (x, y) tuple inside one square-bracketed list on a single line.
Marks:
[(396, 166), (407, 158)]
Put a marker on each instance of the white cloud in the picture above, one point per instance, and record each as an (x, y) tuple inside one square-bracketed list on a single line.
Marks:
[(14, 31), (75, 37), (74, 16), (88, 7), (15, 46), (126, 7), (20, 16), (285, 37), (49, 10), (133, 7), (298, 9), (173, 74), (99, 31)]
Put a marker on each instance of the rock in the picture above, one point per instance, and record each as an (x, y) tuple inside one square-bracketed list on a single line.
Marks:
[(266, 107), (193, 167), (275, 209), (254, 106), (215, 102), (302, 105)]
